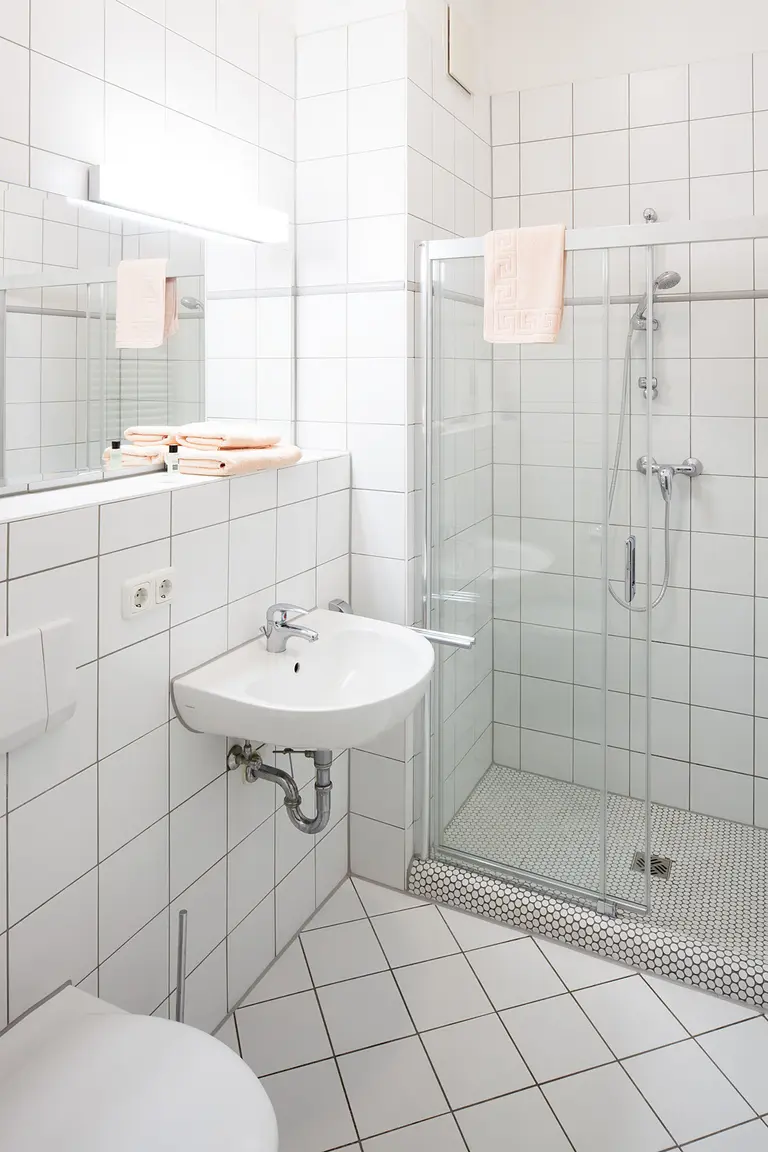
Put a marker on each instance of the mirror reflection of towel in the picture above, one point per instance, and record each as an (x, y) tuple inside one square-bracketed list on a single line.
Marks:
[(147, 309)]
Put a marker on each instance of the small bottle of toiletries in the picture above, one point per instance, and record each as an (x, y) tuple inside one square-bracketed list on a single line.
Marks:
[(172, 459), (116, 455)]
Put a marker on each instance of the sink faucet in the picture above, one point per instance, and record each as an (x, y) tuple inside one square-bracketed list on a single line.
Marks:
[(278, 630)]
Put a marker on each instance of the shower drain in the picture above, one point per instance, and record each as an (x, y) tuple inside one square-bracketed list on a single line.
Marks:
[(661, 866)]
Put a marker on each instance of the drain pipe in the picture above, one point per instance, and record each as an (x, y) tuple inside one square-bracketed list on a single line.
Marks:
[(256, 769)]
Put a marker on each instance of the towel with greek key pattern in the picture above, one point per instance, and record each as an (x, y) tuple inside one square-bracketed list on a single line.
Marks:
[(524, 274)]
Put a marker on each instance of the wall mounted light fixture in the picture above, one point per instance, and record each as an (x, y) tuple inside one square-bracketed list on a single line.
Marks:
[(154, 194)]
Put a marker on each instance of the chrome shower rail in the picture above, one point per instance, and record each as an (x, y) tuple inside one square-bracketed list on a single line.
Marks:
[(623, 236), (597, 301), (74, 313)]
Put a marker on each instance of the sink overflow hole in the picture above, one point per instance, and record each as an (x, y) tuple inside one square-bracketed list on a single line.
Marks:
[(296, 666)]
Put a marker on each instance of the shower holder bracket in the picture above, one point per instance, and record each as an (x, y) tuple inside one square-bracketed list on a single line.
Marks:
[(642, 384)]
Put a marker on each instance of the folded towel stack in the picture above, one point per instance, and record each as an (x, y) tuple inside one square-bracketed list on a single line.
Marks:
[(236, 461), (209, 449), (151, 434)]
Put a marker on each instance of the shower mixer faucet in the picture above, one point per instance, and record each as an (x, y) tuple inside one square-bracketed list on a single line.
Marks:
[(666, 473)]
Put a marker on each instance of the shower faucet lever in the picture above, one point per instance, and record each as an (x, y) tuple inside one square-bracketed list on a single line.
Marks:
[(666, 473)]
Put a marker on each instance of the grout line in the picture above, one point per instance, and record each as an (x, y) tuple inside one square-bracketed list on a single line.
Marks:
[(330, 1041)]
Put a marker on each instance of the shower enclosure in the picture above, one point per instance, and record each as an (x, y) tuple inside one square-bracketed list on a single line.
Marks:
[(572, 747)]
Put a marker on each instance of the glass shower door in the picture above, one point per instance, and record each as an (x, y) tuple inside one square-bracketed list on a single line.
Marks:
[(532, 726)]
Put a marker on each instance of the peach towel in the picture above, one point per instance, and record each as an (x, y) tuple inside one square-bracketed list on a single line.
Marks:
[(139, 455), (228, 434), (524, 272), (150, 434), (147, 309), (236, 461)]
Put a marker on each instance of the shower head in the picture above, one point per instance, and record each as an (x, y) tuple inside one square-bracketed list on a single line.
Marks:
[(667, 280), (192, 303), (663, 282)]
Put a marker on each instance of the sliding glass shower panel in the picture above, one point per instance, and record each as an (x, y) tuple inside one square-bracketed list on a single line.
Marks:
[(529, 519), (462, 527)]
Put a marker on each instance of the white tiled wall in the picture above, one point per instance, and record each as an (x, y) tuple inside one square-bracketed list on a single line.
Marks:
[(122, 817), (687, 141)]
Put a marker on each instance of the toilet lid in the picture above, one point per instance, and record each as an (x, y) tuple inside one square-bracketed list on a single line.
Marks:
[(124, 1083)]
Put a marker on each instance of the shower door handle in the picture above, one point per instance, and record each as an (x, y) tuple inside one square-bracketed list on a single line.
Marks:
[(449, 639), (630, 580)]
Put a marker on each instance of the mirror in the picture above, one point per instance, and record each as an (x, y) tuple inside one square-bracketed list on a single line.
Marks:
[(66, 391)]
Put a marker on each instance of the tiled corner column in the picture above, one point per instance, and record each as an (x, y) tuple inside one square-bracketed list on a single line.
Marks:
[(122, 817), (354, 340), (390, 151)]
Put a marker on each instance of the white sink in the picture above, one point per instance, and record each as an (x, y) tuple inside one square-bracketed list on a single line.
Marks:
[(360, 678)]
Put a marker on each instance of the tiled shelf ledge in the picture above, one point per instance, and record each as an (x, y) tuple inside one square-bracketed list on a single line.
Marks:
[(27, 505)]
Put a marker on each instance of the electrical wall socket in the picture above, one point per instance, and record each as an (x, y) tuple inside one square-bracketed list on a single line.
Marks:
[(163, 585), (143, 593)]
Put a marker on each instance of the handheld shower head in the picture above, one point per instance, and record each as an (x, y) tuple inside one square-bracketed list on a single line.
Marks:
[(667, 280), (663, 282)]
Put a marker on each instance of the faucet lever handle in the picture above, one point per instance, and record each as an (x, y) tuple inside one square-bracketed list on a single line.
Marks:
[(278, 613)]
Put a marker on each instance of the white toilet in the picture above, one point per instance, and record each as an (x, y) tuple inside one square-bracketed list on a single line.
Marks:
[(79, 1075)]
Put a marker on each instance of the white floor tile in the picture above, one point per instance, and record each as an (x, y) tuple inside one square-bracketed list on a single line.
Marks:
[(442, 991), (555, 1038), (440, 1134), (288, 974), (378, 900), (752, 1137), (474, 932), (699, 1011), (687, 1091), (228, 1035), (515, 973), (487, 1127), (312, 1112), (602, 1111), (579, 969), (629, 1016), (343, 906), (390, 1086), (418, 934), (282, 1034), (366, 1011), (741, 1052), (343, 952), (475, 1061)]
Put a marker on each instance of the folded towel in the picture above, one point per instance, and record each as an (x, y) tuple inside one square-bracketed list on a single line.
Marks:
[(139, 455), (151, 434), (236, 461), (147, 304), (524, 270), (210, 436)]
